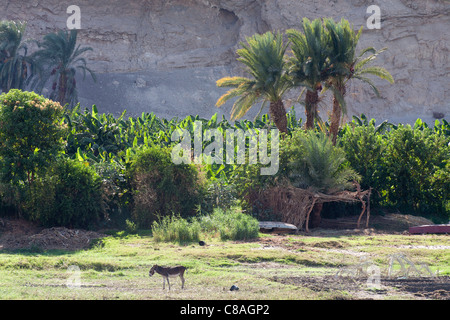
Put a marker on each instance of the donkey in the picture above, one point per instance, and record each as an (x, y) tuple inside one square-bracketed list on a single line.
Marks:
[(167, 272)]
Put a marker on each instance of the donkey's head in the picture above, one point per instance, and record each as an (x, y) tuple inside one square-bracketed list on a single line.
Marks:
[(152, 270)]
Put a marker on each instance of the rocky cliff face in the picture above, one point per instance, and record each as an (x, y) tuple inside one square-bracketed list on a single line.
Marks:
[(165, 55)]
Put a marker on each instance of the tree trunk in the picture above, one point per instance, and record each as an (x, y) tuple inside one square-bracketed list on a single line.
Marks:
[(62, 88), (335, 120), (314, 222), (311, 100), (278, 115)]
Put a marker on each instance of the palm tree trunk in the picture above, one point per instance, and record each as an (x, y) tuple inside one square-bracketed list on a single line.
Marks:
[(335, 120), (311, 100), (62, 88), (278, 115)]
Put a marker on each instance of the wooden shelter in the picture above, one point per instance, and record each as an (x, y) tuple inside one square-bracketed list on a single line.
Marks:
[(294, 205)]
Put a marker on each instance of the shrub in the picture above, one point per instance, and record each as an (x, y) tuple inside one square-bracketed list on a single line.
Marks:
[(130, 226), (415, 170), (69, 194), (174, 228), (219, 194), (116, 193), (313, 162), (407, 166), (11, 198), (364, 147), (31, 134), (161, 187)]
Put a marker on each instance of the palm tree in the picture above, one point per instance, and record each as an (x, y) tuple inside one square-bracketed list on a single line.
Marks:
[(314, 163), (310, 66), (61, 58), (347, 65), (15, 65), (264, 58)]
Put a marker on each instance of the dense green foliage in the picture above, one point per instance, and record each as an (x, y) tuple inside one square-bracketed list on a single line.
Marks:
[(408, 167), (363, 145), (31, 134), (68, 194), (73, 168), (415, 164), (161, 187), (313, 162)]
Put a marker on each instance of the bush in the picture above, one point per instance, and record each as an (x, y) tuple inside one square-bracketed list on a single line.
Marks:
[(409, 167), (69, 195), (174, 228), (11, 199), (416, 175), (31, 134), (130, 226), (161, 187), (116, 193), (364, 147), (313, 162)]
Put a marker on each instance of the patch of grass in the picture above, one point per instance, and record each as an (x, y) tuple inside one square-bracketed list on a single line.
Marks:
[(176, 229), (230, 224)]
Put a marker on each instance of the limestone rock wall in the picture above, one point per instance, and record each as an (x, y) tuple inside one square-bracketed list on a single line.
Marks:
[(165, 55)]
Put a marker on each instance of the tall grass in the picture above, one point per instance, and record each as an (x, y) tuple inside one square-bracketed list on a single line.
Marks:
[(176, 229), (230, 224)]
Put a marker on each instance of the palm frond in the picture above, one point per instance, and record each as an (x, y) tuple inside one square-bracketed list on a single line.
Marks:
[(380, 72), (368, 49), (233, 93), (243, 104), (231, 81), (369, 82)]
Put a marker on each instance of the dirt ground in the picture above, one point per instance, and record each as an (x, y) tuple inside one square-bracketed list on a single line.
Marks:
[(20, 234), (412, 288), (350, 280)]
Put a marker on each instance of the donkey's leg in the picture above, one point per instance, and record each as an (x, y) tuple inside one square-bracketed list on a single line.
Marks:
[(182, 281)]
